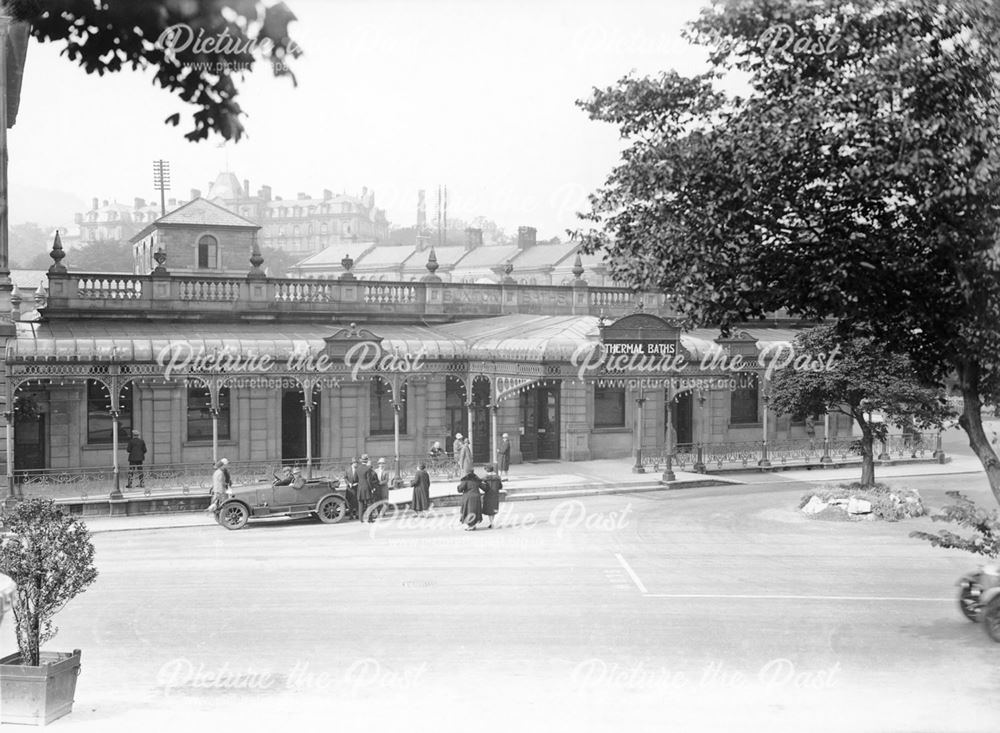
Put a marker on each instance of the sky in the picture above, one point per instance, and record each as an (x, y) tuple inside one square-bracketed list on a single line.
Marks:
[(478, 95)]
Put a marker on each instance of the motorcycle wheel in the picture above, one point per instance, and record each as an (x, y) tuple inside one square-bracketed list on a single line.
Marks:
[(991, 619), (968, 600)]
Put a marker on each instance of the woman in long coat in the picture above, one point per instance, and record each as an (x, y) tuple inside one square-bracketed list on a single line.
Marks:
[(463, 455), (472, 506), (491, 486), (503, 456), (421, 484)]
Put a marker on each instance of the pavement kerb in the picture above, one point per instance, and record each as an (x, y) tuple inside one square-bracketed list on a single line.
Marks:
[(186, 519)]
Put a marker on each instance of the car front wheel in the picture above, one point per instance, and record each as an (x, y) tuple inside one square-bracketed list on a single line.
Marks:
[(233, 515), (332, 510)]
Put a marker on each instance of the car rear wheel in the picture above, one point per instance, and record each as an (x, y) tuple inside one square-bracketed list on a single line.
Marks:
[(991, 619), (331, 510), (968, 599), (233, 515)]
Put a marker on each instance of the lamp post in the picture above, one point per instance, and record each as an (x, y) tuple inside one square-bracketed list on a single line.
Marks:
[(639, 402), (699, 464), (116, 491), (668, 469), (826, 439), (307, 408), (764, 462)]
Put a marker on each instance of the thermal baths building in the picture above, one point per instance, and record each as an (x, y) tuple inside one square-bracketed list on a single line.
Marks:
[(263, 370)]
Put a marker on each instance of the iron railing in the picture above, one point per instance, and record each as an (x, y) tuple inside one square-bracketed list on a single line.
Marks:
[(705, 457)]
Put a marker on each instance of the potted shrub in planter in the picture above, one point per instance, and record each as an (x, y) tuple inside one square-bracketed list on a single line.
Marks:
[(50, 557)]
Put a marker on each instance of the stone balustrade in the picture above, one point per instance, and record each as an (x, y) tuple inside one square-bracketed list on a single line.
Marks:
[(89, 295)]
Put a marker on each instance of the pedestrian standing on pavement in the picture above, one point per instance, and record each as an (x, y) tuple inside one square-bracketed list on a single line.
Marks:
[(136, 449), (381, 488), (463, 455), (225, 472), (471, 512), (421, 484), (491, 494), (367, 481), (351, 479), (218, 488), (503, 457)]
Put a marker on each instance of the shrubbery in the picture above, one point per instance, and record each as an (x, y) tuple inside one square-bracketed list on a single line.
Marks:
[(985, 526), (887, 503)]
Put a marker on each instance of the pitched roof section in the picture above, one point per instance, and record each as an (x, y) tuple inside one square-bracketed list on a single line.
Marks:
[(199, 213), (543, 256)]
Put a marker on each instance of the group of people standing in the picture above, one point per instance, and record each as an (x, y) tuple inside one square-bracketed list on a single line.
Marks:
[(367, 488), (462, 451), (480, 497)]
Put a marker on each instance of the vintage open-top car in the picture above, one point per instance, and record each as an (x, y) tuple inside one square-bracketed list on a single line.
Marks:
[(321, 497)]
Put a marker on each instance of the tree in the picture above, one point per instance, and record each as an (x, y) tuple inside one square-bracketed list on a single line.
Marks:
[(26, 242), (277, 261), (51, 558), (862, 378), (195, 47), (858, 180), (101, 256)]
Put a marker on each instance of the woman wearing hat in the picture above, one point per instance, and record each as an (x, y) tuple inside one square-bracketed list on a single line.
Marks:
[(491, 486), (471, 512), (218, 486), (421, 484), (463, 455)]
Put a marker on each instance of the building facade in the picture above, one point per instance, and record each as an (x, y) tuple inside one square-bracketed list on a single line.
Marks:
[(264, 371)]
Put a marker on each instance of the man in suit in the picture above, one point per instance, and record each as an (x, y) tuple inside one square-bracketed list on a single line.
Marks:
[(382, 488), (367, 485), (351, 480)]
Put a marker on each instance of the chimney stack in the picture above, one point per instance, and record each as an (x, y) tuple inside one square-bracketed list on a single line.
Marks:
[(473, 238), (93, 204), (246, 187), (327, 194), (195, 194), (526, 237), (302, 196), (139, 203), (265, 193)]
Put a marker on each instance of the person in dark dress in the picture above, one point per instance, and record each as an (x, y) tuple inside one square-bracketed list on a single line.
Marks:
[(503, 457), (491, 494), (367, 484), (136, 448), (471, 512), (351, 480), (285, 479), (421, 484)]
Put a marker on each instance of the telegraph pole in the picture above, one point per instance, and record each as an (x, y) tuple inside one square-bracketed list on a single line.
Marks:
[(161, 182)]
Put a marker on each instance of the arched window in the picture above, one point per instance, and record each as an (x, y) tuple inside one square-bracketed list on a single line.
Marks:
[(208, 252)]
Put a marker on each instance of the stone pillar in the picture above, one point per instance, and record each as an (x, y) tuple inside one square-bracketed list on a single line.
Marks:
[(637, 435), (6, 287)]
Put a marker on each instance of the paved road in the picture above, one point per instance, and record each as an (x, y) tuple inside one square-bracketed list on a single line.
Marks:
[(697, 610)]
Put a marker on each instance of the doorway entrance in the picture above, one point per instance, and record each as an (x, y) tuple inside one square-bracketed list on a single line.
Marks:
[(456, 414), (683, 418), (540, 423), (293, 425), (481, 420)]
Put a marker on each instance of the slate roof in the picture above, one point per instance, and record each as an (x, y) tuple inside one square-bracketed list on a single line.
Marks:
[(199, 212)]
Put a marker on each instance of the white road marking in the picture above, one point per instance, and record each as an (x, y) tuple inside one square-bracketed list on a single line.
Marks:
[(631, 573), (777, 597)]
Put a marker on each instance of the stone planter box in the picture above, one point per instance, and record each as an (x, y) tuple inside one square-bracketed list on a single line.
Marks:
[(38, 695)]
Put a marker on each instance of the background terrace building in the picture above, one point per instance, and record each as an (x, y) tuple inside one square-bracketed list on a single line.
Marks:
[(303, 225)]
